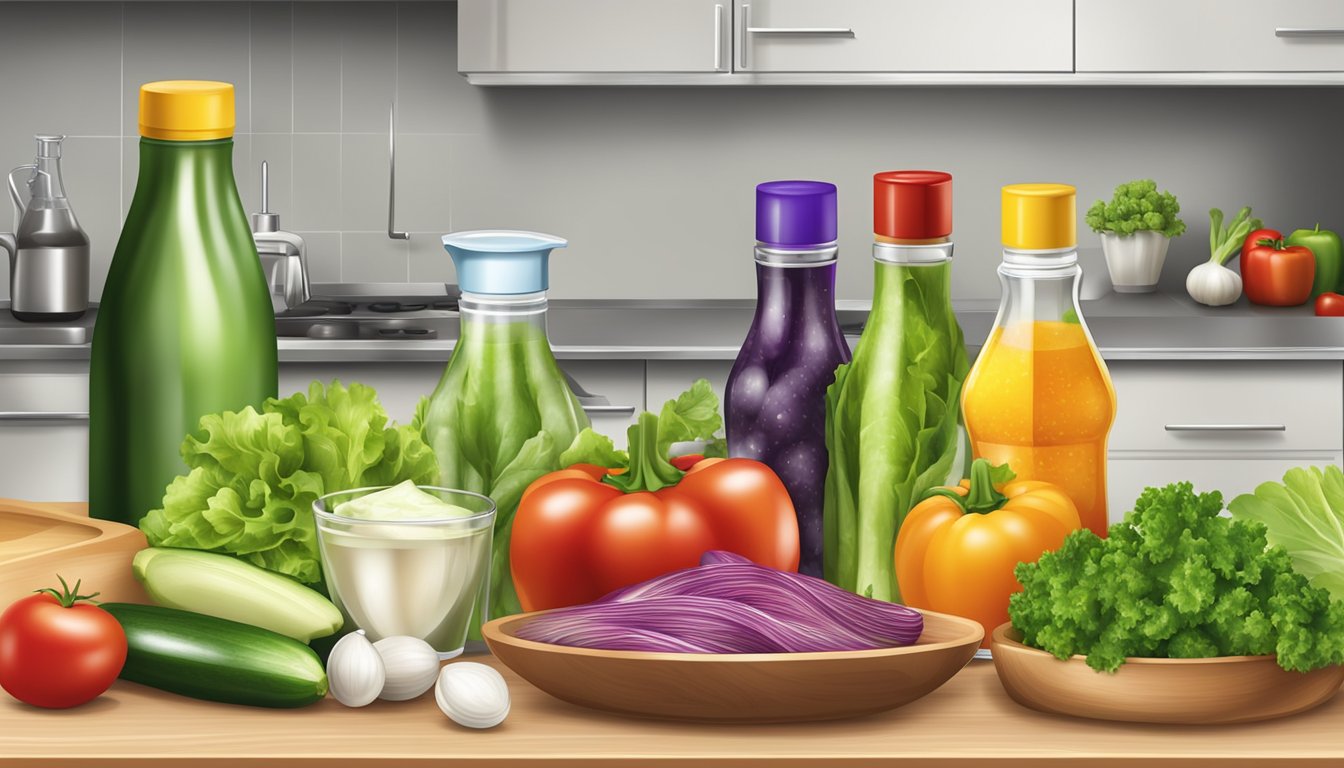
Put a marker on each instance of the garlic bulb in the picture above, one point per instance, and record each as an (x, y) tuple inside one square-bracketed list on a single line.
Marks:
[(1213, 285), (472, 695), (355, 672), (411, 664)]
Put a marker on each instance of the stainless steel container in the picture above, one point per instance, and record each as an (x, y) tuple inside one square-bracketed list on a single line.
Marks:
[(48, 251)]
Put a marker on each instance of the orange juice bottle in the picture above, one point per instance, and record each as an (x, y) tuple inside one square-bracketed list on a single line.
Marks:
[(1039, 397)]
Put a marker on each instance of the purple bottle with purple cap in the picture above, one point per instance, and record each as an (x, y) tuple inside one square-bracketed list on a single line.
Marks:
[(775, 405)]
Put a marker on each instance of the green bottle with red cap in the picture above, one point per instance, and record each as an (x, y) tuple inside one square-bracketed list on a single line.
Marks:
[(892, 416)]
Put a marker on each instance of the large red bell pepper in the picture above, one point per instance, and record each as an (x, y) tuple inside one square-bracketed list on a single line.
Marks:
[(1273, 274), (584, 531)]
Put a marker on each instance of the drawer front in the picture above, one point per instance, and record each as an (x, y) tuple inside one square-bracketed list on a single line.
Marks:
[(1223, 36), (1127, 477), (44, 460), (617, 393), (669, 378), (593, 36), (904, 36), (1228, 406), (43, 388)]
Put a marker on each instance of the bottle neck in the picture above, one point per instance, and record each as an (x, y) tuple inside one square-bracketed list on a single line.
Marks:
[(204, 165), (484, 309), (912, 253), (818, 255), (1039, 286)]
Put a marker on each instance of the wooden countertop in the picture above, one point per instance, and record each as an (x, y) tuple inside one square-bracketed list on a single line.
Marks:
[(968, 722)]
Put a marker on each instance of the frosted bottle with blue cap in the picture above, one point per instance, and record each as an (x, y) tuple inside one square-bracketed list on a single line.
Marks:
[(775, 403), (502, 412)]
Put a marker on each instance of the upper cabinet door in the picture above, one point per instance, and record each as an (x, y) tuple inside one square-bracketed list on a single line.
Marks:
[(594, 35), (904, 36), (1210, 36)]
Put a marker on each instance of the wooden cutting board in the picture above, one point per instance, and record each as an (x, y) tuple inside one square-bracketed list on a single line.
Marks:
[(39, 541)]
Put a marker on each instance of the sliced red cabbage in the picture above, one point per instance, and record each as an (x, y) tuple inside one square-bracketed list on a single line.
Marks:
[(719, 557), (711, 624), (789, 596), (729, 605)]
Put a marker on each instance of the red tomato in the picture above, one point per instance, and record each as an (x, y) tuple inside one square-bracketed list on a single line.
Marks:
[(1330, 305), (56, 652), (576, 538)]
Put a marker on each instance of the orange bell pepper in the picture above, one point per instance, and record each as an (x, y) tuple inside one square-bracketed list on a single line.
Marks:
[(957, 548)]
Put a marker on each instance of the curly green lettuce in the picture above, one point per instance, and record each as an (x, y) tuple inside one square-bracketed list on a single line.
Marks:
[(254, 476), (1137, 206), (1176, 580)]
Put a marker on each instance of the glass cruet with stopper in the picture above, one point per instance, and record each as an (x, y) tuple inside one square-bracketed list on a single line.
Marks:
[(775, 399), (503, 411), (1039, 397)]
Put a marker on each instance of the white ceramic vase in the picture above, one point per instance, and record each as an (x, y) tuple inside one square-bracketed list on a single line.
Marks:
[(1135, 261)]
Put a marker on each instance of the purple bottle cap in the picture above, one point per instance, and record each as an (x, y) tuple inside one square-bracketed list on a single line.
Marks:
[(795, 213)]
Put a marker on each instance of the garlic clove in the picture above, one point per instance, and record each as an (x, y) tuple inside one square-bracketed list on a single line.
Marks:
[(473, 695), (412, 666), (355, 672)]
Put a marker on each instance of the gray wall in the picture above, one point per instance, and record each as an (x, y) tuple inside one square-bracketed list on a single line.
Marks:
[(653, 187)]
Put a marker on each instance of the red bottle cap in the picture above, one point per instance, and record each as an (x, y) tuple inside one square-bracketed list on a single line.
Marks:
[(912, 205)]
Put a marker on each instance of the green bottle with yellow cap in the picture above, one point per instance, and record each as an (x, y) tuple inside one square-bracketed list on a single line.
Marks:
[(185, 325), (1039, 397)]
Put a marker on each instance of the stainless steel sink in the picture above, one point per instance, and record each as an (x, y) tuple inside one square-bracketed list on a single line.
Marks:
[(391, 311), (14, 331)]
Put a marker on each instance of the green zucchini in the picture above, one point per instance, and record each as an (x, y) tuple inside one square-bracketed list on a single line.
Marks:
[(228, 588), (204, 657)]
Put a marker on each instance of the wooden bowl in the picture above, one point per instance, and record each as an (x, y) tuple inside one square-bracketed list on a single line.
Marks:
[(1225, 689), (740, 688), (38, 541)]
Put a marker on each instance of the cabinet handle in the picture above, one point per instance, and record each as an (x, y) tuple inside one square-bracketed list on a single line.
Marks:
[(718, 38), (609, 408), (1309, 31), (801, 31), (744, 45), (1226, 428), (44, 416)]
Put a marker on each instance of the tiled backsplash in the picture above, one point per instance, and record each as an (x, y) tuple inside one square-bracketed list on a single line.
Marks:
[(653, 187)]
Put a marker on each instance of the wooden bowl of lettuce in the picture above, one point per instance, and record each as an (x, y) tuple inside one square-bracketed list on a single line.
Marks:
[(1209, 691), (1180, 615)]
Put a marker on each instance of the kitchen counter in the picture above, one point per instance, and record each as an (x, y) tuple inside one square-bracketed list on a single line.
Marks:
[(970, 722), (1126, 327)]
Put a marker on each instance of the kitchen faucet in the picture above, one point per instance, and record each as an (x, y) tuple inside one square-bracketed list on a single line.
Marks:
[(284, 258)]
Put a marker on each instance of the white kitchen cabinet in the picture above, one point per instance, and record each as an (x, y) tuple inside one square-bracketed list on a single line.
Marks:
[(1230, 474), (669, 378), (1228, 405), (904, 36), (1222, 425), (593, 36), (44, 431), (1209, 36)]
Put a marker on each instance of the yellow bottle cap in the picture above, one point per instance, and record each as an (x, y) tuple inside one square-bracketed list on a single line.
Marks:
[(186, 110), (1040, 217)]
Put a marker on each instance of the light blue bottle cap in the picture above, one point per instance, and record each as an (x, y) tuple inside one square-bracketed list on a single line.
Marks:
[(502, 261)]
